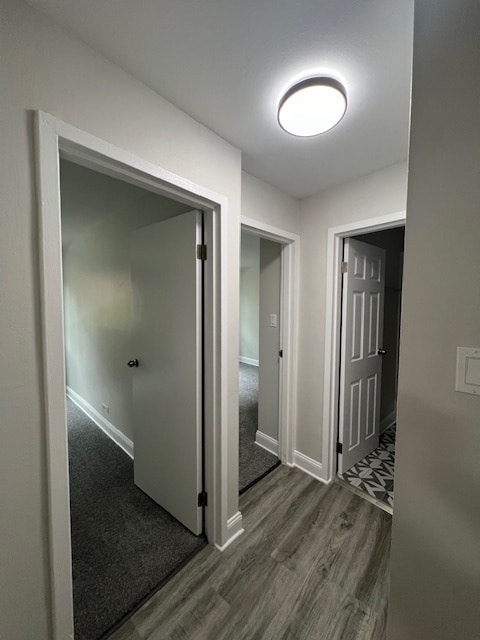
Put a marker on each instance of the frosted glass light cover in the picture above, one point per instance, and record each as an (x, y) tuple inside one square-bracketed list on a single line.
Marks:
[(312, 107)]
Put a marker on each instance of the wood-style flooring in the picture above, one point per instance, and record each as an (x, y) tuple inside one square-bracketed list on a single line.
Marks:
[(312, 564)]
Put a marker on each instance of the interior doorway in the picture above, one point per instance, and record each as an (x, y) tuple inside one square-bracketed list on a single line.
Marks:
[(259, 357), (332, 336), (133, 317), (58, 140), (372, 269), (268, 341)]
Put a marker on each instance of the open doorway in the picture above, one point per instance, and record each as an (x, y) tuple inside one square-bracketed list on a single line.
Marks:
[(275, 252), (58, 140), (133, 347), (372, 269), (259, 357)]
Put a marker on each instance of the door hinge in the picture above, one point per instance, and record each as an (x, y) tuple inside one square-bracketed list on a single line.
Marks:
[(280, 353), (339, 447), (201, 251), (202, 499), (344, 267)]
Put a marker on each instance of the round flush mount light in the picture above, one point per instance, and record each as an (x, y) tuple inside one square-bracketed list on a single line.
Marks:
[(312, 106)]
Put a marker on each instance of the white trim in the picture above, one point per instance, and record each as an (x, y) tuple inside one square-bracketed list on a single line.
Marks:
[(55, 137), (310, 466), (268, 231), (246, 360), (107, 427), (234, 528), (332, 325), (388, 421), (287, 420), (266, 442)]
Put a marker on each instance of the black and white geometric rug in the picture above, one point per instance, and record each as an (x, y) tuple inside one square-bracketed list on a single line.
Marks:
[(374, 474)]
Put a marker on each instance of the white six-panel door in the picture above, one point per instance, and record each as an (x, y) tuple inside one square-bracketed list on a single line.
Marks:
[(361, 340), (167, 384)]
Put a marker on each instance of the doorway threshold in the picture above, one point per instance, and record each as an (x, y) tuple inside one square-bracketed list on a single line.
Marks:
[(362, 494), (254, 482)]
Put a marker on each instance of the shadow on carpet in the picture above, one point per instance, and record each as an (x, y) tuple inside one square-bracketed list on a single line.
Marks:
[(124, 546), (254, 461)]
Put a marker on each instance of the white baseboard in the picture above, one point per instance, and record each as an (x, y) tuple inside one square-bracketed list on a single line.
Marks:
[(112, 432), (309, 465), (234, 530), (246, 360), (266, 442), (388, 421)]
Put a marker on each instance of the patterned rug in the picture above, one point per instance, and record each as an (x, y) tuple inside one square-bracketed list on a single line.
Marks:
[(374, 474)]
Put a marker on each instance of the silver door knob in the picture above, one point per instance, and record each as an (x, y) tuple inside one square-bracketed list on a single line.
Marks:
[(382, 352), (132, 363)]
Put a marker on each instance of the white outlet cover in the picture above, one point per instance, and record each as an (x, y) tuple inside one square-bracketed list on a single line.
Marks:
[(468, 370)]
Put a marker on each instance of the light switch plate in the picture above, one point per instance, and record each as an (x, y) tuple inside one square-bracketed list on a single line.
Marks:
[(468, 370)]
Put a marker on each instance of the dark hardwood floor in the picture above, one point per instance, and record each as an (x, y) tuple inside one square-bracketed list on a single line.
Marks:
[(312, 564)]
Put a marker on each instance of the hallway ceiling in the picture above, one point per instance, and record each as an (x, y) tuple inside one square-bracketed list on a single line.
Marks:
[(227, 62)]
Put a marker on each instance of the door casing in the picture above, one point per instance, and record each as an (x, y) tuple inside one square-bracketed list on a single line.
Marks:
[(333, 309), (290, 256), (55, 138)]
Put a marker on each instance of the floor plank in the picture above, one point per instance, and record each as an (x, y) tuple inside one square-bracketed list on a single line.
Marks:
[(311, 565)]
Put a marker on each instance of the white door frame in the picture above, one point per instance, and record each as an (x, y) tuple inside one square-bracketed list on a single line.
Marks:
[(333, 306), (54, 139), (290, 260)]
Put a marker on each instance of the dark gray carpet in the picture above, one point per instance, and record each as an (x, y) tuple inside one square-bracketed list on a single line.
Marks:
[(254, 461), (124, 546)]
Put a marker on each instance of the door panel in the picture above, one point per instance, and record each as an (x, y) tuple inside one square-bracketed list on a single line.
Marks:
[(361, 366), (355, 412), (374, 323), (357, 325), (167, 385), (371, 405)]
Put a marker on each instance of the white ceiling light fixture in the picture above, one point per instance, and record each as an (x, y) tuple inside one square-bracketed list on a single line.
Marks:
[(312, 106)]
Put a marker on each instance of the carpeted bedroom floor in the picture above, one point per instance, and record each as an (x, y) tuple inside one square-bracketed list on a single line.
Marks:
[(254, 461), (124, 546)]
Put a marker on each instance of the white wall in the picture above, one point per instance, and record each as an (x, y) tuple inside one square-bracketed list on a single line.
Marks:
[(266, 204), (99, 215), (435, 558), (268, 372), (374, 195), (43, 67), (249, 296)]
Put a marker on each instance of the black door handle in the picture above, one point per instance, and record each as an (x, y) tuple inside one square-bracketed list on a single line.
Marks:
[(133, 363), (382, 352)]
